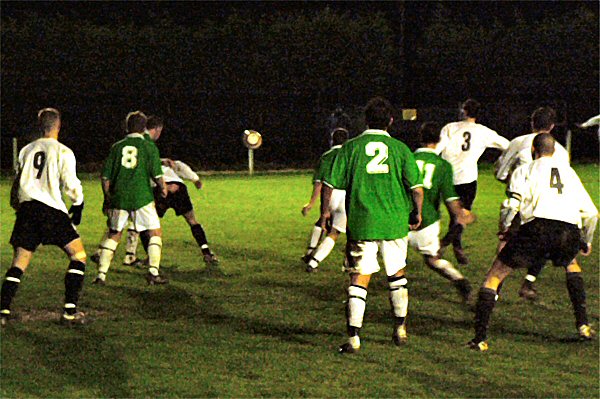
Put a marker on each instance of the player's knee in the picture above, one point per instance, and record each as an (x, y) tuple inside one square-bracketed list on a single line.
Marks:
[(79, 256)]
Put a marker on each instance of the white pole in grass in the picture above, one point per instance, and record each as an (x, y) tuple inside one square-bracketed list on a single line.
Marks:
[(568, 143), (15, 154), (250, 161)]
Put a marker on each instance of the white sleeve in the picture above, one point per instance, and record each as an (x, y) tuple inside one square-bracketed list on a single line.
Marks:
[(594, 121), (444, 139), (185, 172), (496, 141), (506, 161), (71, 185), (589, 213), (515, 192)]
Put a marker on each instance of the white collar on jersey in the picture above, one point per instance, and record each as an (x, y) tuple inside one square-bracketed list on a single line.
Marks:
[(336, 146), (135, 135), (425, 149), (376, 131)]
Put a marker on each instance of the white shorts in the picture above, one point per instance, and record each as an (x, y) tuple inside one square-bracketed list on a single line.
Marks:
[(361, 256), (427, 240), (337, 207), (142, 219)]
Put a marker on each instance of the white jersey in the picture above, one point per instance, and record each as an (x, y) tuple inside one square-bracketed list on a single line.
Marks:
[(179, 172), (47, 171), (550, 189), (462, 143), (518, 153)]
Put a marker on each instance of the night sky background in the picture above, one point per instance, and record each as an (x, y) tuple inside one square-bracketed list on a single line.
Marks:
[(213, 69)]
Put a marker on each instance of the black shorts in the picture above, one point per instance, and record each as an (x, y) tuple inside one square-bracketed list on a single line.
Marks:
[(467, 193), (38, 223), (179, 201), (540, 240)]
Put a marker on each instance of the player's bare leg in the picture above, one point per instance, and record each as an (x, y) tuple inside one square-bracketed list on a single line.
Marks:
[(355, 311), (74, 282), (449, 272), (576, 288), (200, 236), (12, 279), (154, 254), (486, 301), (107, 252), (322, 251)]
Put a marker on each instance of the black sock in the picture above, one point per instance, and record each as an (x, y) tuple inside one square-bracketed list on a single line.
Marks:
[(457, 231), (73, 284), (576, 290), (10, 287), (483, 311), (200, 237)]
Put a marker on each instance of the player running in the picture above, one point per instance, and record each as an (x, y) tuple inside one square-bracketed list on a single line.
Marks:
[(131, 163), (436, 174), (462, 144), (517, 154), (553, 205), (315, 255), (46, 171), (373, 169)]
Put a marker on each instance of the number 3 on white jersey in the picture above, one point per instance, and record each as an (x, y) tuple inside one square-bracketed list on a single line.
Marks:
[(129, 156), (380, 151)]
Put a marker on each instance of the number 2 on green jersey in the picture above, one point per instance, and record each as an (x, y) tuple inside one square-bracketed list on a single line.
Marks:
[(426, 170), (379, 151)]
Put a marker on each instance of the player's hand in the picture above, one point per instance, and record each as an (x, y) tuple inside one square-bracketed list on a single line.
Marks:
[(414, 220), (305, 209), (168, 162), (585, 249), (75, 211), (106, 206), (503, 235), (198, 184), (466, 217)]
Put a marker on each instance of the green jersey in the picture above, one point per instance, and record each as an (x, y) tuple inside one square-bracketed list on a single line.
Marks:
[(437, 184), (325, 163), (131, 164), (376, 171)]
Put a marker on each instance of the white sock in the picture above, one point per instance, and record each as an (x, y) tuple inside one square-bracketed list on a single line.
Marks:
[(107, 251), (399, 297), (530, 278), (315, 236), (322, 251), (357, 302), (154, 252), (354, 341), (104, 238), (131, 245)]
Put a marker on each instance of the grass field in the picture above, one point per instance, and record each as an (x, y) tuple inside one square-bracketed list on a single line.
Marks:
[(268, 329)]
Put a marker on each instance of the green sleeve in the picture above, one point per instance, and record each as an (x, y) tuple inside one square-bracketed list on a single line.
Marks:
[(447, 189), (337, 176), (108, 164), (318, 174), (410, 171)]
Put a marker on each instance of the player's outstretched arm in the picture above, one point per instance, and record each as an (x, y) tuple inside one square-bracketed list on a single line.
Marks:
[(313, 198)]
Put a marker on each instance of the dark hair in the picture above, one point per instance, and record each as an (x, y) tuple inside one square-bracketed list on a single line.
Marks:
[(429, 133), (543, 118), (339, 136), (154, 122), (471, 108), (543, 144), (135, 122), (378, 113), (47, 119)]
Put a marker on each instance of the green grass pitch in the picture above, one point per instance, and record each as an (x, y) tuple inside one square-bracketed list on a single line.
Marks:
[(268, 329)]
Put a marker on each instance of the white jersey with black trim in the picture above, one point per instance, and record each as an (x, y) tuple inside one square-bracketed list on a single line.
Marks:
[(462, 143), (179, 172), (47, 170), (550, 189), (518, 153)]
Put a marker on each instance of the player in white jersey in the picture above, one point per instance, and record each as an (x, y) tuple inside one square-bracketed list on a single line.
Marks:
[(553, 205), (316, 252), (462, 144), (517, 154), (46, 172)]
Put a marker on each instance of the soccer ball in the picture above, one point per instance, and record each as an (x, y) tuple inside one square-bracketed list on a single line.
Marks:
[(252, 139)]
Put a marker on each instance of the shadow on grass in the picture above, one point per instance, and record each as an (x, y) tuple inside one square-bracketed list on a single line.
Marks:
[(81, 359)]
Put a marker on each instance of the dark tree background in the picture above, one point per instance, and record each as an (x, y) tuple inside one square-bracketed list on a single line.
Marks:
[(213, 69)]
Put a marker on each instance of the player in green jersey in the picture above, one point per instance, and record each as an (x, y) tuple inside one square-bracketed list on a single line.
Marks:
[(374, 168), (437, 186), (131, 163), (315, 255)]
